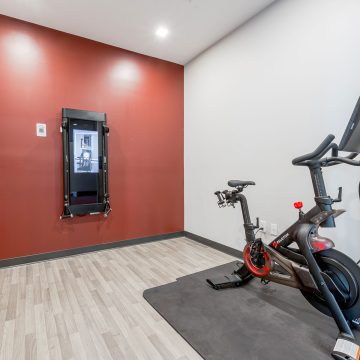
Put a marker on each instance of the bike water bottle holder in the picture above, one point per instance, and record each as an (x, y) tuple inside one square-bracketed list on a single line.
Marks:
[(221, 201), (226, 198)]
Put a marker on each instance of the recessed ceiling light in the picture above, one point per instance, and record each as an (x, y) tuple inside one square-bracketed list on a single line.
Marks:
[(162, 32)]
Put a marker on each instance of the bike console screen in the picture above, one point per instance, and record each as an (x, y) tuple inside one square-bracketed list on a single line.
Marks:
[(351, 139)]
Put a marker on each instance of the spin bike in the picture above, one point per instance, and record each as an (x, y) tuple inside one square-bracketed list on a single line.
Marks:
[(327, 278)]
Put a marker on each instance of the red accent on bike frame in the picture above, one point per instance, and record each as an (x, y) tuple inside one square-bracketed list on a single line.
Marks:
[(298, 204), (321, 245), (318, 246), (275, 244), (258, 272)]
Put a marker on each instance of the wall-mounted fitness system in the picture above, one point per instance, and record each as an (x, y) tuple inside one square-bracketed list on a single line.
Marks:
[(85, 152)]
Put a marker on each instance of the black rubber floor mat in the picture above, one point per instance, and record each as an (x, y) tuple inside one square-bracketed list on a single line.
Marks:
[(253, 322)]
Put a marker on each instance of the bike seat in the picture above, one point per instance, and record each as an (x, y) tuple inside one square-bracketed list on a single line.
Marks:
[(236, 183)]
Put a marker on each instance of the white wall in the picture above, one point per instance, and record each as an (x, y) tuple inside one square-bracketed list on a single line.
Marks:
[(269, 92)]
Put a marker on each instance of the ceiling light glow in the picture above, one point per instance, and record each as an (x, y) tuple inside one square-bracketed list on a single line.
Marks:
[(162, 32)]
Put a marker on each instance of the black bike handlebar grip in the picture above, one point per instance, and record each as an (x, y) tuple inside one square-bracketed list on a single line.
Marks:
[(335, 151), (327, 141)]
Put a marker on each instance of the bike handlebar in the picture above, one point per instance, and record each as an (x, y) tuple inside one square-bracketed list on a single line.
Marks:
[(345, 160), (318, 152)]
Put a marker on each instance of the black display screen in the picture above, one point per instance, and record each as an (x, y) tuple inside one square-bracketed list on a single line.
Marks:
[(351, 139), (85, 161)]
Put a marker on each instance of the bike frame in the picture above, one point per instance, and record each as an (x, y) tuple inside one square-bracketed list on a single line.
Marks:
[(290, 259), (301, 269)]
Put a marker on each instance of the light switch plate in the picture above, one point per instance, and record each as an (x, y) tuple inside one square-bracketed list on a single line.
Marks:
[(41, 130)]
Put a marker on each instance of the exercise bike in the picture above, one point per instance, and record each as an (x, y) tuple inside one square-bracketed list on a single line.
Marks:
[(327, 278)]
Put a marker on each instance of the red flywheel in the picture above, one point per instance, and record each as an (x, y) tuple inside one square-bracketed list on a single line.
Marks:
[(255, 270)]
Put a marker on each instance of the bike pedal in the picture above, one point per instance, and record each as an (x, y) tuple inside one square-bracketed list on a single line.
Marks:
[(228, 281), (346, 350)]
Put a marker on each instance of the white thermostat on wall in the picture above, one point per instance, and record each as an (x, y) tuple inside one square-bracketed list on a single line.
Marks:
[(41, 130)]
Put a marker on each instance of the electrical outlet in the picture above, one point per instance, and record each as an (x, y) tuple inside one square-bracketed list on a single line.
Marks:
[(263, 226), (274, 229)]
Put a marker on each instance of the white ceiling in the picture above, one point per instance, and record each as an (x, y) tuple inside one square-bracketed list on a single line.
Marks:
[(194, 25)]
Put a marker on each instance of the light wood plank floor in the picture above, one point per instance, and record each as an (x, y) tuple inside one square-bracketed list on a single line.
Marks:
[(91, 306)]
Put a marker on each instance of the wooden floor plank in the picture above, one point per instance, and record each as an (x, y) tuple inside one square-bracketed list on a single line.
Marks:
[(91, 306)]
